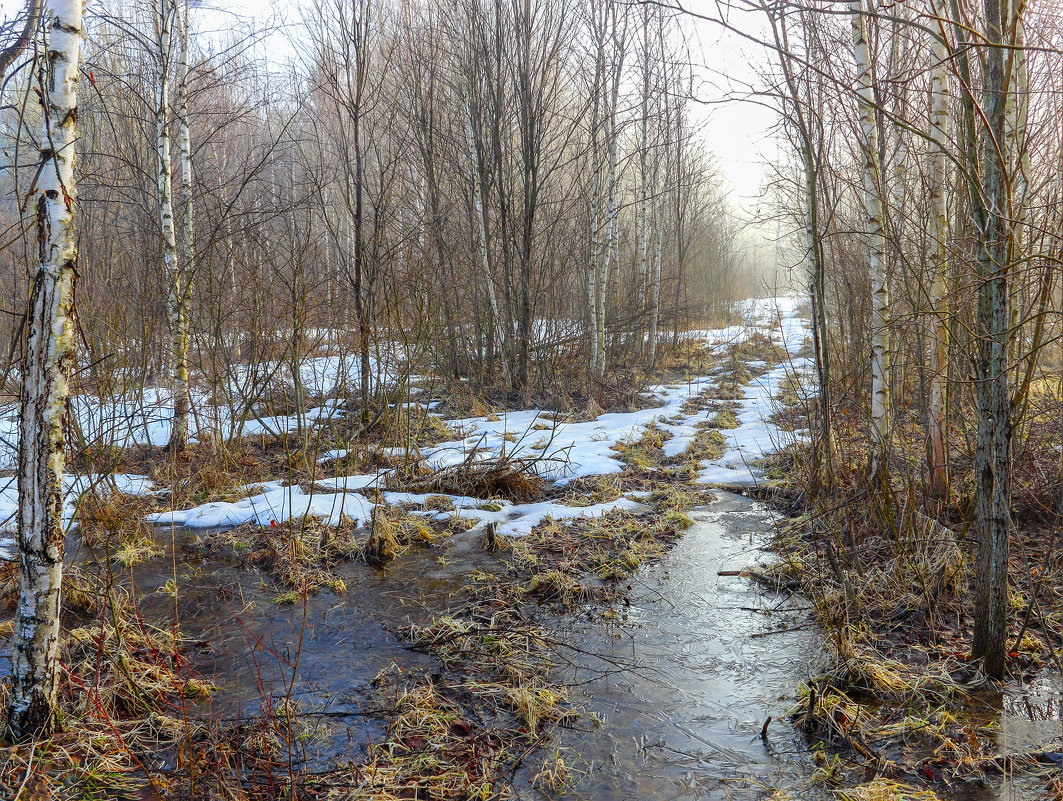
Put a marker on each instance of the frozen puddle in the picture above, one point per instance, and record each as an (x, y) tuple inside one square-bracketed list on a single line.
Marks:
[(673, 702)]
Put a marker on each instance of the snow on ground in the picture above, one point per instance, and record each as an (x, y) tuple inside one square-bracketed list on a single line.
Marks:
[(278, 503), (755, 437), (76, 486), (563, 451)]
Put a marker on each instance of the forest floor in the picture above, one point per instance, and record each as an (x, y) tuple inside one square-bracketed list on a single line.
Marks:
[(326, 610), (209, 594), (888, 574)]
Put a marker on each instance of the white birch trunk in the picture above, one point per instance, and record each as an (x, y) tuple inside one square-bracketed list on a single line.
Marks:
[(642, 246), (181, 395), (478, 202), (659, 187), (655, 278), (610, 257), (48, 366), (1017, 113), (880, 303), (593, 269), (485, 261), (595, 202), (178, 355), (939, 343)]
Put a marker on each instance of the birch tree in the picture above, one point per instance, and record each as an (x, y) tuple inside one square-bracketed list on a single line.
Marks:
[(599, 15), (800, 121), (872, 181), (609, 265), (465, 68), (642, 233), (182, 399), (47, 371), (176, 308)]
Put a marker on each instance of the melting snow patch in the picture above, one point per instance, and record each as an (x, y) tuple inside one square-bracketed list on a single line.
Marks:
[(560, 451)]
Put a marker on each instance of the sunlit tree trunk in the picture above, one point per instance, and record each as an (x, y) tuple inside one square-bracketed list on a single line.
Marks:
[(485, 260), (643, 202), (47, 369), (880, 302), (181, 399), (609, 262), (1017, 111), (359, 32), (802, 111), (462, 39), (595, 201), (655, 275), (175, 305)]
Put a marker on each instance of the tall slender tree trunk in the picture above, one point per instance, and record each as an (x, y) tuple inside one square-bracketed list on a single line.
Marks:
[(1017, 111), (655, 276), (880, 301), (642, 230), (823, 446), (596, 201), (609, 262), (175, 307), (993, 452), (47, 370), (529, 122), (181, 394), (484, 242), (594, 214), (824, 467), (360, 306), (937, 458)]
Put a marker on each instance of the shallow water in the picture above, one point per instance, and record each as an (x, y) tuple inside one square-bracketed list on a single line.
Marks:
[(322, 653), (681, 690), (674, 698)]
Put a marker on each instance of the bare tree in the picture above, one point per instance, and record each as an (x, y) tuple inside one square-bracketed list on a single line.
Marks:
[(47, 372), (880, 301)]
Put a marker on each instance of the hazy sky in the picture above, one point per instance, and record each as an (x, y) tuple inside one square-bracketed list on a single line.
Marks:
[(737, 131)]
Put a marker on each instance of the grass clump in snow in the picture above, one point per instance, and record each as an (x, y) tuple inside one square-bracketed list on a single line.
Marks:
[(508, 477), (708, 444), (759, 347), (592, 490), (725, 417), (644, 451)]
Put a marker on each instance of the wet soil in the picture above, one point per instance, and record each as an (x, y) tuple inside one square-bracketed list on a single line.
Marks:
[(674, 686)]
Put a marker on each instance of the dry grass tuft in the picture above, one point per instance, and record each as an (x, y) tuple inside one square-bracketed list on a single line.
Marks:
[(114, 521), (882, 789)]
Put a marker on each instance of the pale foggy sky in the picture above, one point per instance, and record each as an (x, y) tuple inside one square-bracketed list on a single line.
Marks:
[(738, 132)]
